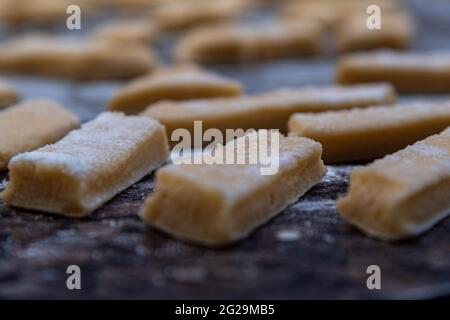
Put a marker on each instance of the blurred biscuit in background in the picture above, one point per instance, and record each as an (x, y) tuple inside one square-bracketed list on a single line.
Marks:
[(173, 83), (397, 32), (8, 94), (139, 31), (243, 43), (73, 58), (187, 13)]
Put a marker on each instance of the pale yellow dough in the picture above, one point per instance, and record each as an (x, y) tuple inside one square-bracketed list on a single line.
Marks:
[(32, 124), (173, 83), (41, 11), (266, 111), (8, 94), (240, 43), (403, 194), (366, 134), (89, 166), (72, 58), (333, 12), (127, 31), (215, 204), (182, 14), (408, 72), (397, 31)]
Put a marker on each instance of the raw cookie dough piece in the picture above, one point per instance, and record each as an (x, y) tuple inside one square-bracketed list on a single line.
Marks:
[(332, 12), (175, 83), (396, 33), (89, 166), (72, 58), (240, 43), (40, 11), (370, 133), (7, 94), (32, 124), (403, 194), (408, 72), (134, 31), (266, 111), (215, 204), (182, 14)]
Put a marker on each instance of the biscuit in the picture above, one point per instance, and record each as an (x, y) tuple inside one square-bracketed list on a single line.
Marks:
[(175, 83), (174, 15), (403, 194), (7, 94), (365, 134), (240, 43), (396, 33), (124, 31), (401, 69), (215, 204), (266, 111), (32, 124), (70, 58), (89, 166)]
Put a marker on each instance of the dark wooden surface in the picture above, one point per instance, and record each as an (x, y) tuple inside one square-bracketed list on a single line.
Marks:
[(308, 251)]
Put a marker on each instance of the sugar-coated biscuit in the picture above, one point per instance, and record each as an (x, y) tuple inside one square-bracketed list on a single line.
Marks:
[(366, 134), (71, 58), (403, 194), (174, 83), (32, 124), (124, 31), (408, 72), (240, 43), (8, 94), (215, 204), (268, 110), (89, 166), (396, 32), (188, 13)]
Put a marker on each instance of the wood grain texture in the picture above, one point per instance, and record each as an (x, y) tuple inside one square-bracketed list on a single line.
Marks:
[(121, 257)]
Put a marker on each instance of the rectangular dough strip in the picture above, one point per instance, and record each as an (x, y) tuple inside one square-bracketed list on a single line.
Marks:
[(403, 194), (215, 204), (32, 124), (268, 110), (366, 134), (76, 175)]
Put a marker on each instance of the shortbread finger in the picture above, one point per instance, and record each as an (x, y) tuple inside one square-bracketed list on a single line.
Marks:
[(332, 13), (408, 72), (7, 94), (71, 58), (365, 134), (40, 11), (396, 33), (187, 13), (134, 31), (32, 124), (266, 111), (403, 194), (175, 83), (214, 204), (237, 43), (89, 166)]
